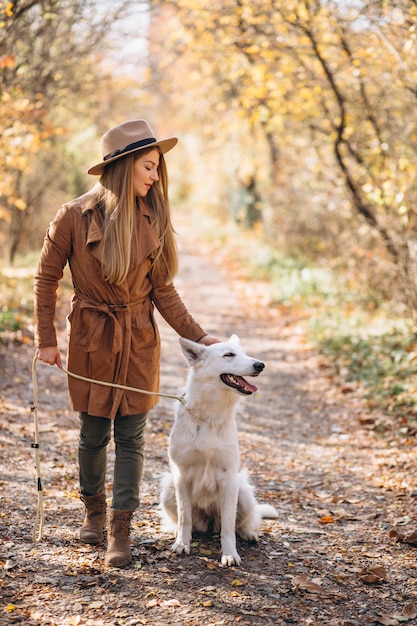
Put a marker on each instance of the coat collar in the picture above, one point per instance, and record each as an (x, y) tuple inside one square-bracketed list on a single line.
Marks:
[(144, 242)]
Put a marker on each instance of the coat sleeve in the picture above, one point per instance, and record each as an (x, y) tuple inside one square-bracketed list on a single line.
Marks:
[(168, 302), (55, 252)]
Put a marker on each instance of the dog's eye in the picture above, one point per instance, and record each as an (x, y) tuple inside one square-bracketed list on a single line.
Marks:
[(229, 354)]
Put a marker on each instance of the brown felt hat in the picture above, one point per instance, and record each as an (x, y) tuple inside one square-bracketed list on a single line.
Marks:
[(126, 138)]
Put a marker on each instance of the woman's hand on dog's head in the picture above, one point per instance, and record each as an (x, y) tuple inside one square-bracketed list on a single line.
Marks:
[(208, 340)]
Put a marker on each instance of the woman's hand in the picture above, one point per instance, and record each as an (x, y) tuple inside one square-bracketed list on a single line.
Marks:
[(208, 340), (50, 355)]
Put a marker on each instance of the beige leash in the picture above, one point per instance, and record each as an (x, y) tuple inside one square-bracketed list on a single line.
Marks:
[(40, 518)]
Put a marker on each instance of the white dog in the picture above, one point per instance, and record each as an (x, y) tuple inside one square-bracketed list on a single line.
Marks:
[(205, 490)]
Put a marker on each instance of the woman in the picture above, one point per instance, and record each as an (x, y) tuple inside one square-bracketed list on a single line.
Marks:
[(119, 242)]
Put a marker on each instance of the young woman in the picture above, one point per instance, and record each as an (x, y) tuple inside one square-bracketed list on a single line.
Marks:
[(119, 243)]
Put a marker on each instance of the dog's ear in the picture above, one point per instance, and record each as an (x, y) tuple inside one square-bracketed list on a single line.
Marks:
[(234, 339), (193, 352)]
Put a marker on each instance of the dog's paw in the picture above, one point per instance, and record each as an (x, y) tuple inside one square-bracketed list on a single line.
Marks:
[(248, 535), (180, 548), (231, 559)]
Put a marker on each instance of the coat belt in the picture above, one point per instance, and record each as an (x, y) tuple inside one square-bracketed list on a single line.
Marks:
[(108, 312)]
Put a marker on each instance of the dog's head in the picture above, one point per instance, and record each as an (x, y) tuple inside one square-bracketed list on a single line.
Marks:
[(225, 360)]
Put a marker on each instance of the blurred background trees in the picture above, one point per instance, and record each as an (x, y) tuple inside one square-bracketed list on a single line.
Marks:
[(297, 120), (307, 118), (54, 90)]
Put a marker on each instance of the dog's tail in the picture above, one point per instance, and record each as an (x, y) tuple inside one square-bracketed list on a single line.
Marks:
[(168, 504), (267, 511)]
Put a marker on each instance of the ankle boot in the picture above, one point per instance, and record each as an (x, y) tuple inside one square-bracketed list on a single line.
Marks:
[(118, 548), (95, 518)]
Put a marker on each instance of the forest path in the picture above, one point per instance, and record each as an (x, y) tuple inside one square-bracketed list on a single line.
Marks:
[(338, 486)]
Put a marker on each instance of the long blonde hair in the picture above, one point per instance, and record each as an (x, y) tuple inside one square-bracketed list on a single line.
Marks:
[(116, 197)]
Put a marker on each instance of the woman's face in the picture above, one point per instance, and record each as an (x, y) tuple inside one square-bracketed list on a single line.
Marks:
[(145, 172)]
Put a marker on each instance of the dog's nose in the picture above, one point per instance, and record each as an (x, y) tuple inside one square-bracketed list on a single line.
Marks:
[(258, 366)]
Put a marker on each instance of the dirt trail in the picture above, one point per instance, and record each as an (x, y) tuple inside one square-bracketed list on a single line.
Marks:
[(339, 489)]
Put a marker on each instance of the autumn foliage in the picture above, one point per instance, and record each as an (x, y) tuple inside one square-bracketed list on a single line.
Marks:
[(308, 107), (296, 119)]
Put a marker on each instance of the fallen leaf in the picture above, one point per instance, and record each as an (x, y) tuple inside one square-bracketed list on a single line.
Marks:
[(326, 519), (410, 610), (394, 534), (386, 620), (373, 575), (411, 538), (237, 582), (172, 602), (404, 521), (70, 573), (305, 583), (95, 605)]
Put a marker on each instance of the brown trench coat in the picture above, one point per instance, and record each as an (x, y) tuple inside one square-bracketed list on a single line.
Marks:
[(112, 332)]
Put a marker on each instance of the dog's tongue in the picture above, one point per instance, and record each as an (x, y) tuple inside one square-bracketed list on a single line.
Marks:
[(245, 385), (239, 383)]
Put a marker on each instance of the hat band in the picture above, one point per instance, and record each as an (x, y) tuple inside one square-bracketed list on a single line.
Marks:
[(131, 146)]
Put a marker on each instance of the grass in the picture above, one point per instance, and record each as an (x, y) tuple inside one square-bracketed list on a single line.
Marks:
[(379, 355), (363, 340), (16, 310), (16, 317)]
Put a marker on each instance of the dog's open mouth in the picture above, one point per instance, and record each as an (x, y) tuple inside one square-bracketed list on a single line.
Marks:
[(239, 383)]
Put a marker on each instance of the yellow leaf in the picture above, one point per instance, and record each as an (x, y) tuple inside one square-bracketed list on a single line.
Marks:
[(10, 608), (207, 603), (20, 204), (237, 582)]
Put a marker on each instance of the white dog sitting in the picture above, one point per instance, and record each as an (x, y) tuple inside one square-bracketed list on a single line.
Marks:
[(205, 490)]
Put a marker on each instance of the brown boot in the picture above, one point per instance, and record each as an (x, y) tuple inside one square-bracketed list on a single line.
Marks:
[(95, 518), (118, 548)]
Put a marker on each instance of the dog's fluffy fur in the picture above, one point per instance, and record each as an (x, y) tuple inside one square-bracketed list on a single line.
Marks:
[(205, 490)]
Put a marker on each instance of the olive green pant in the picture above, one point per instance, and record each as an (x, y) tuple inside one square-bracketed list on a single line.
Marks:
[(95, 434)]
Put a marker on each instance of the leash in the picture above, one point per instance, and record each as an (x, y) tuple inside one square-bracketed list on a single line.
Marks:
[(40, 517)]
